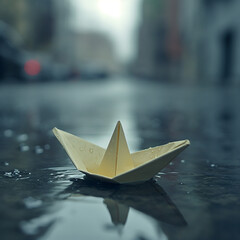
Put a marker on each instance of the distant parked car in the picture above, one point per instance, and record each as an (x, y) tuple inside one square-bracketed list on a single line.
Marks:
[(40, 67), (93, 71)]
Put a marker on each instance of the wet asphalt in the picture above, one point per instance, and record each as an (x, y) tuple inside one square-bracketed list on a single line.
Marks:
[(43, 196)]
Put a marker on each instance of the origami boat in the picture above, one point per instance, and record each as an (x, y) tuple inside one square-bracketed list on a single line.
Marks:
[(116, 164)]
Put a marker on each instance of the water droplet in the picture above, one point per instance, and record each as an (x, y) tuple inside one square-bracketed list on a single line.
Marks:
[(24, 148), (182, 161), (6, 163), (181, 183), (16, 171), (38, 150), (91, 150), (188, 192), (8, 133), (22, 137), (212, 165), (8, 174), (171, 163), (46, 146), (17, 174)]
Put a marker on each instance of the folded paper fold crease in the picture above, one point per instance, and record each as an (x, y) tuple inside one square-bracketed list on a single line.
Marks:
[(116, 164)]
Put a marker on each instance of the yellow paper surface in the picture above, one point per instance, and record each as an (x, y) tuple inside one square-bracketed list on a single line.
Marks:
[(117, 158), (116, 164), (83, 154)]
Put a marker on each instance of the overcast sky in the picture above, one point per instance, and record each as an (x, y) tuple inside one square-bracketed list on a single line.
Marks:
[(117, 18)]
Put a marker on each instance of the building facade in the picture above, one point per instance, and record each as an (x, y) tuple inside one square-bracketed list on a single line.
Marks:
[(193, 41)]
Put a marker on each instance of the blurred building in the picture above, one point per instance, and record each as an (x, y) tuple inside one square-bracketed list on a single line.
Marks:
[(45, 30), (32, 19), (211, 33), (159, 47), (90, 49), (80, 49), (185, 40)]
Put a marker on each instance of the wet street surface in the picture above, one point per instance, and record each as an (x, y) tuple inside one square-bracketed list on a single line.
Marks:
[(43, 196)]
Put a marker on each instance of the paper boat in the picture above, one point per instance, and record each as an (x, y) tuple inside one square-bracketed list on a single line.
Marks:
[(116, 164)]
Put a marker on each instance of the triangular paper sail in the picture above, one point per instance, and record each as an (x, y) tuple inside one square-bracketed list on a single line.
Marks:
[(117, 158), (116, 164)]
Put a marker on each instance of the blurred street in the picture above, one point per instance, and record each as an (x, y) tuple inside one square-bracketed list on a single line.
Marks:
[(43, 196)]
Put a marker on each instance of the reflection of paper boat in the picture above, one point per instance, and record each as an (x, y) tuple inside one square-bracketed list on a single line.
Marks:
[(148, 198), (118, 211), (116, 164)]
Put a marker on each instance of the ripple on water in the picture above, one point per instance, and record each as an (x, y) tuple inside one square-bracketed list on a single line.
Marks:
[(34, 226), (31, 202), (62, 173), (17, 174)]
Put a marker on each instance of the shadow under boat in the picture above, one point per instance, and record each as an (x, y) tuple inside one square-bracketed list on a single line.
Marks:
[(148, 198)]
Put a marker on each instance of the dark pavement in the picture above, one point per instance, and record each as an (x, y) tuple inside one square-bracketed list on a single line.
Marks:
[(42, 195)]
